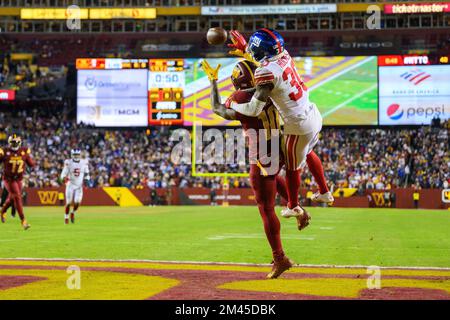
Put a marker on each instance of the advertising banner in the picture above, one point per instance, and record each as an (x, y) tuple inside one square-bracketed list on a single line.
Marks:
[(116, 98), (7, 94), (269, 9), (413, 94), (118, 84), (409, 8)]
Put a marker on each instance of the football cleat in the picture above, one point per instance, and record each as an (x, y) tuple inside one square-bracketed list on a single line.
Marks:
[(303, 220), (66, 220), (72, 217), (3, 215), (323, 198), (294, 212), (25, 225), (279, 267)]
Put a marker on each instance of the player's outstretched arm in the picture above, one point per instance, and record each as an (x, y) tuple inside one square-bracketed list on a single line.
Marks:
[(218, 108), (257, 103)]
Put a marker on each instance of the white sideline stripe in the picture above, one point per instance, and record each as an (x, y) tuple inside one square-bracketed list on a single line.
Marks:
[(343, 104), (356, 266), (334, 76), (326, 228), (253, 236)]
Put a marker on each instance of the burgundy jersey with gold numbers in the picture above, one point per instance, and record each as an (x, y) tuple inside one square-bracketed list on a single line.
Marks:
[(15, 162), (267, 120)]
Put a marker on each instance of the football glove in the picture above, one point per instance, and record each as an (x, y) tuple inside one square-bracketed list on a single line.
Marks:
[(239, 44), (212, 74)]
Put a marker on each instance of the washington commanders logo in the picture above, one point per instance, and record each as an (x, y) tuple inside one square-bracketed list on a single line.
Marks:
[(378, 199), (48, 197), (446, 195)]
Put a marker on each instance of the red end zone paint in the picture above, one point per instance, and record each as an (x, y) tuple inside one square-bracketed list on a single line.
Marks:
[(246, 282)]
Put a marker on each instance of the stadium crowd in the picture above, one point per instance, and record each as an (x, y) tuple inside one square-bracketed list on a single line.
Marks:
[(359, 158)]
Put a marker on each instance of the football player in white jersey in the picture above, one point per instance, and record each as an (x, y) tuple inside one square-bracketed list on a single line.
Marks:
[(277, 78), (75, 171)]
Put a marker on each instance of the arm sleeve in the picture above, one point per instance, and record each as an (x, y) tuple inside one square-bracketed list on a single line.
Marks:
[(65, 170), (253, 108), (263, 76), (250, 109)]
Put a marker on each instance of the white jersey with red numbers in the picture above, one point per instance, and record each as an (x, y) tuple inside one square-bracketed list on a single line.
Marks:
[(75, 171), (290, 95)]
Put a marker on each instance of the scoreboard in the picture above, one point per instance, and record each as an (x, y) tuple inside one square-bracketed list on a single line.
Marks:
[(413, 89), (111, 87), (410, 59), (165, 91), (410, 89), (110, 64)]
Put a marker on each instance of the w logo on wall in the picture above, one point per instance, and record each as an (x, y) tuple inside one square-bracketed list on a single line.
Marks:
[(378, 199), (415, 76), (48, 197)]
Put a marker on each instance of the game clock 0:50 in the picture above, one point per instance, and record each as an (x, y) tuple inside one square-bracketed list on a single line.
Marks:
[(166, 80)]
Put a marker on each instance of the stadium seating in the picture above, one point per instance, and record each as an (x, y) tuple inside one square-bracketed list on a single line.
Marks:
[(363, 158)]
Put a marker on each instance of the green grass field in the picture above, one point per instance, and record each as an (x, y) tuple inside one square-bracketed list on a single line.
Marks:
[(350, 98), (336, 236)]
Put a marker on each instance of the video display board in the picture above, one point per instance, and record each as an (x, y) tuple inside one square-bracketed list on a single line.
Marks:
[(359, 90), (110, 98), (413, 90), (343, 88)]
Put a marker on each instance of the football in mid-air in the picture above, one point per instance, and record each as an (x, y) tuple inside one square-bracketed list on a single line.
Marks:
[(216, 36)]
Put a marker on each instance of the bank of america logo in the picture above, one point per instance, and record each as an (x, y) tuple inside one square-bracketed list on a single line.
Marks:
[(415, 76)]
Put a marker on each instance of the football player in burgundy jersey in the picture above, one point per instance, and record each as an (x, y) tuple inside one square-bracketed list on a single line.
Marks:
[(265, 183), (15, 158)]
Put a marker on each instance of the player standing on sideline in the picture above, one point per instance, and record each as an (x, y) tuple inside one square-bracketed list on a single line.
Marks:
[(277, 78), (15, 159), (75, 171), (264, 184)]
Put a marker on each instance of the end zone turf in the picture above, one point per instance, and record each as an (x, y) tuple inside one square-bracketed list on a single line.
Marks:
[(44, 279)]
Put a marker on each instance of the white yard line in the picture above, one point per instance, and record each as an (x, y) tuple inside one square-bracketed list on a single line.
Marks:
[(254, 236), (343, 104), (334, 76), (218, 263)]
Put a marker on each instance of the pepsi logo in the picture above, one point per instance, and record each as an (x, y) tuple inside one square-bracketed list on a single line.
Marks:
[(394, 112)]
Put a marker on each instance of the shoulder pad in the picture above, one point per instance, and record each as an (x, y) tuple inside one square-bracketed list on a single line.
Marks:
[(263, 75)]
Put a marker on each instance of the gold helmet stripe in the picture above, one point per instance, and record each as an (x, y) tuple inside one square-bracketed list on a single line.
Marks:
[(244, 62)]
